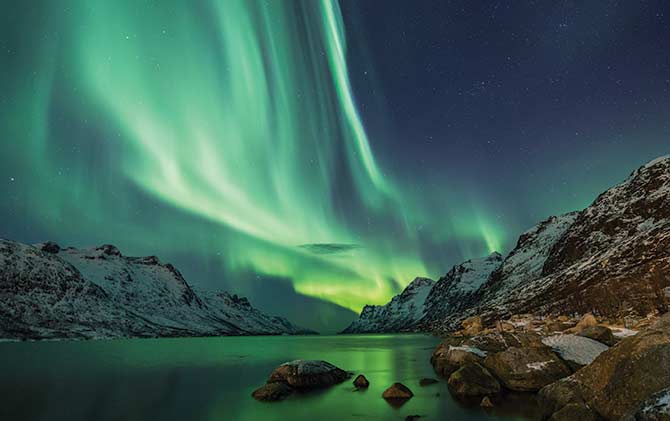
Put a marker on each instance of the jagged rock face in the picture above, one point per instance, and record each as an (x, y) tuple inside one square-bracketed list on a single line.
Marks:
[(615, 258), (456, 290), (49, 292), (400, 314)]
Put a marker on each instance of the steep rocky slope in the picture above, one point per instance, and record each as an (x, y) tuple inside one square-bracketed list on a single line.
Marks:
[(49, 292), (612, 258), (399, 314)]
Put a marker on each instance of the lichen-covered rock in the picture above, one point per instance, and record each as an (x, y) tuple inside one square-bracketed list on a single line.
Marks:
[(473, 380), (308, 374), (601, 334), (619, 379), (271, 392), (526, 369)]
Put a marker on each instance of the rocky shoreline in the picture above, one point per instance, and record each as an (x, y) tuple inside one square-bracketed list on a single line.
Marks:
[(582, 368)]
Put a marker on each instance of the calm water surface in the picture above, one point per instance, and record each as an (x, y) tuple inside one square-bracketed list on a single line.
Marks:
[(212, 379)]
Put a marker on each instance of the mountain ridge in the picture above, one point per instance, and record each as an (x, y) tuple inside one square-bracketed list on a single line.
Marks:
[(611, 258), (49, 292)]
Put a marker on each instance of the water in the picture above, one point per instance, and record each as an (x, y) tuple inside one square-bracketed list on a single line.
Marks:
[(212, 379)]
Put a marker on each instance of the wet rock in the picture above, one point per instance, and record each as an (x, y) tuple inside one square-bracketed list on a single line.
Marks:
[(619, 379), (109, 250), (448, 358), (472, 325), (526, 369), (361, 382), (473, 380), (397, 393), (601, 334), (271, 392), (427, 381), (486, 402), (575, 411), (308, 374)]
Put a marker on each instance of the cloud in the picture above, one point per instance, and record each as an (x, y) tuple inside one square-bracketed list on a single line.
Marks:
[(329, 248)]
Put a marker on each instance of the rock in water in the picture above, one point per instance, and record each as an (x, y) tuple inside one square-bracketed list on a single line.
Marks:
[(619, 379), (526, 369), (308, 374), (427, 382), (272, 392), (473, 380), (397, 393), (601, 334), (361, 382), (486, 402)]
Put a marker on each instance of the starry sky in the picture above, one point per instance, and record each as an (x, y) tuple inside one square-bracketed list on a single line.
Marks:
[(316, 156)]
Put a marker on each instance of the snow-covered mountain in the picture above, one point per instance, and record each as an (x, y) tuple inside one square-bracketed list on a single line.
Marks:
[(612, 258), (399, 314), (49, 292)]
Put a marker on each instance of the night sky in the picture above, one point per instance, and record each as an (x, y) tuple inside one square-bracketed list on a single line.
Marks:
[(317, 156)]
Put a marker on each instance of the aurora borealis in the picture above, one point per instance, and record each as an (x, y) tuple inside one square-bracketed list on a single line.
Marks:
[(253, 142)]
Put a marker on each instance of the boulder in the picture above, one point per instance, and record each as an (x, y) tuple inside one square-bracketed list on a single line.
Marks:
[(601, 334), (500, 341), (526, 369), (272, 392), (397, 392), (655, 408), (556, 326), (308, 374), (587, 320), (448, 358), (361, 382), (472, 325), (620, 379), (473, 380)]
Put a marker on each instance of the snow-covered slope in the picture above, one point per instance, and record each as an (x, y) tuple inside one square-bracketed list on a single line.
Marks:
[(49, 292), (612, 258), (398, 315), (456, 290)]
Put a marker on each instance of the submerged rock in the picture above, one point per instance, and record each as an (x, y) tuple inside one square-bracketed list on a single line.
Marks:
[(526, 369), (361, 382), (308, 374), (271, 392), (473, 380), (427, 381)]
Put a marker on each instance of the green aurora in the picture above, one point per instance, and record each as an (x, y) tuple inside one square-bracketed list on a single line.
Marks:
[(231, 132)]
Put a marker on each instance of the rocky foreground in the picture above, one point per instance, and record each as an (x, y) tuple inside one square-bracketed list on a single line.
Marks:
[(47, 292), (612, 259), (584, 369)]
